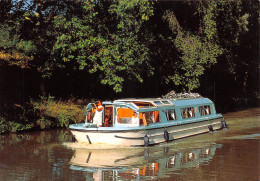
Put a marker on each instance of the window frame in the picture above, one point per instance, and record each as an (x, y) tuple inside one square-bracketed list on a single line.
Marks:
[(204, 109), (188, 113), (168, 114), (150, 117), (129, 122)]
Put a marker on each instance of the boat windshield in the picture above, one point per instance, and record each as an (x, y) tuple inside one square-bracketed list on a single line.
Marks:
[(126, 116)]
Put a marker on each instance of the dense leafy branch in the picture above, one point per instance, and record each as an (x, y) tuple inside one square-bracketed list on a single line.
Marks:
[(118, 42)]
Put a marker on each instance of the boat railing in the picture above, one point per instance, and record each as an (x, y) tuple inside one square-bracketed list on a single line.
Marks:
[(174, 95)]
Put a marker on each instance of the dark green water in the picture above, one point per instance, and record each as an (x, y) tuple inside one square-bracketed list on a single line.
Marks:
[(229, 154)]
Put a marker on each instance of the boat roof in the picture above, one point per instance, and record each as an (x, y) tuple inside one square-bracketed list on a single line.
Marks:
[(141, 99), (142, 103), (166, 100)]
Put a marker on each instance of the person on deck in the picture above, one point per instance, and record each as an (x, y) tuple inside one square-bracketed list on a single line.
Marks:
[(207, 110), (134, 119), (97, 120)]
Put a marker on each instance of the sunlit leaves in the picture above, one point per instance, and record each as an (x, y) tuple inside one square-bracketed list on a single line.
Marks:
[(121, 41), (196, 51), (115, 51)]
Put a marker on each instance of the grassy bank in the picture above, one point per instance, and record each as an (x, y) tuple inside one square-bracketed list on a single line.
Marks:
[(41, 114)]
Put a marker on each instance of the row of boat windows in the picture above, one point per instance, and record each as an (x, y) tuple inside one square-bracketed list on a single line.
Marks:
[(187, 112), (128, 116)]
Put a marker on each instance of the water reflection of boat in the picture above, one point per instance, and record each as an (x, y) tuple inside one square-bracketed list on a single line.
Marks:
[(135, 163), (111, 158)]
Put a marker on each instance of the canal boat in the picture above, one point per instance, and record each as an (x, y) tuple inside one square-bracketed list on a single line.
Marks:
[(149, 121)]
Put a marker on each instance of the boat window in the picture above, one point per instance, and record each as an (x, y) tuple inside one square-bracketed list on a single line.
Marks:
[(149, 117), (89, 116), (108, 121), (158, 102), (165, 102), (170, 114), (187, 112), (143, 104), (127, 116), (204, 110)]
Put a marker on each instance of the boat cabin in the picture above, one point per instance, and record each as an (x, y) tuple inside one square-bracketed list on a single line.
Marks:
[(153, 111)]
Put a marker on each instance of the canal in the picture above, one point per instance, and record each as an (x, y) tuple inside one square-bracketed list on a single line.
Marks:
[(229, 154)]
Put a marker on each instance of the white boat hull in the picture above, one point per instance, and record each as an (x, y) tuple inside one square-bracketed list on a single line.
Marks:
[(136, 137)]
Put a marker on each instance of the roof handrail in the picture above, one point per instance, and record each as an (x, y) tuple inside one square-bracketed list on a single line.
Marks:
[(173, 95)]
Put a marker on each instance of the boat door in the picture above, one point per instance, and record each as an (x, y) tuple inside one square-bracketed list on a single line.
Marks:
[(108, 115)]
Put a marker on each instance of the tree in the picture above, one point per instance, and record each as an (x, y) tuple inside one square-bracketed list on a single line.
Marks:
[(236, 73), (27, 35), (161, 45), (107, 40), (189, 51)]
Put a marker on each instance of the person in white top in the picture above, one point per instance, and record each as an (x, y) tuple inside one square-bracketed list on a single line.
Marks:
[(173, 116), (134, 119), (190, 113), (207, 110), (97, 120)]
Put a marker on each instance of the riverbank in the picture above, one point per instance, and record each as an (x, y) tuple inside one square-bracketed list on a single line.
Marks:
[(47, 113), (41, 114)]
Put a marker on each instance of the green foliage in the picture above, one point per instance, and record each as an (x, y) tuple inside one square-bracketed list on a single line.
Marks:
[(63, 113), (44, 114), (110, 47), (13, 37), (7, 41), (196, 51), (45, 123), (137, 41), (16, 127), (3, 126), (11, 126)]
